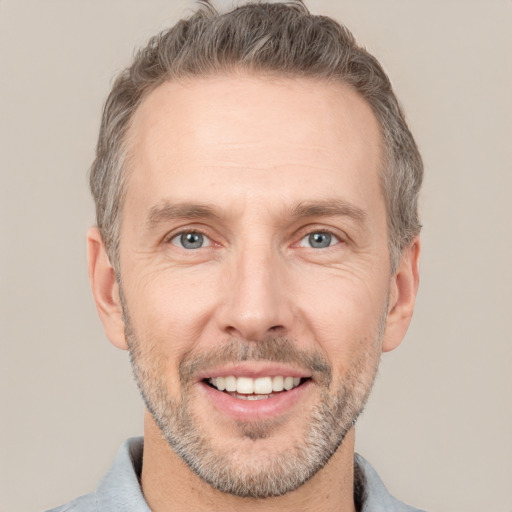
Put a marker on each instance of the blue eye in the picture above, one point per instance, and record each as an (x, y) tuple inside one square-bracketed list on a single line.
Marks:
[(191, 240), (319, 240)]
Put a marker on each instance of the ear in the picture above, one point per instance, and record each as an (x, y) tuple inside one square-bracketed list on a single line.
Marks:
[(105, 289), (402, 296)]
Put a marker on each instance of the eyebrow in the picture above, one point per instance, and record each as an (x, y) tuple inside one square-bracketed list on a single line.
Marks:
[(329, 208), (168, 211)]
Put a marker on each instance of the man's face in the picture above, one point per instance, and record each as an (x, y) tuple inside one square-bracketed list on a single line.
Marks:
[(254, 257)]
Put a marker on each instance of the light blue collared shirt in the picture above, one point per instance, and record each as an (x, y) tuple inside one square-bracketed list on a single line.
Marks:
[(120, 490)]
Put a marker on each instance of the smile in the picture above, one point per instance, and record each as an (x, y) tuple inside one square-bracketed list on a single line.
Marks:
[(247, 388), (254, 393)]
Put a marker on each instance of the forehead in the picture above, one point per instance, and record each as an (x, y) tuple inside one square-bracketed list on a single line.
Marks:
[(252, 135)]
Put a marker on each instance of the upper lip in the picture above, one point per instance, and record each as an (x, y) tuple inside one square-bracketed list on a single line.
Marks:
[(253, 369)]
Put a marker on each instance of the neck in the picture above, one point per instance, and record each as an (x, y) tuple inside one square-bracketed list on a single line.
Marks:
[(169, 484)]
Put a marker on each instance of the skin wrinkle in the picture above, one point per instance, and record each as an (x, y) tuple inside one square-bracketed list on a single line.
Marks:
[(186, 309), (207, 116), (167, 211), (331, 420), (359, 72), (274, 349)]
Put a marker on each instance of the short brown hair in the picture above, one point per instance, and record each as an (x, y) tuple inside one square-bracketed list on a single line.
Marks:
[(280, 38)]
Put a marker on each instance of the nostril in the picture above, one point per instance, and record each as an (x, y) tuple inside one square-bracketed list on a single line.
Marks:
[(255, 335)]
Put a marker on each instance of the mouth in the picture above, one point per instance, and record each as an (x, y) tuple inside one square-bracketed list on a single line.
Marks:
[(261, 388), (253, 391)]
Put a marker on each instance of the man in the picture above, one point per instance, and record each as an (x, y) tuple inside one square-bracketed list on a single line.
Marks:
[(256, 251)]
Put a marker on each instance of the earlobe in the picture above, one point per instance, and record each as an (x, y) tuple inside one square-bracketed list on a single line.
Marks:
[(105, 289), (403, 289)]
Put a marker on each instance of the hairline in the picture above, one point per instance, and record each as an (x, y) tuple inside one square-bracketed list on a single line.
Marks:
[(125, 155)]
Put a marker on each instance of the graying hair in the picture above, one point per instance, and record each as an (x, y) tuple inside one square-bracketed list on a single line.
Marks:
[(282, 39)]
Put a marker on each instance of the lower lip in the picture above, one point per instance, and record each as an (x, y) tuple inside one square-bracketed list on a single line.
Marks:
[(254, 410)]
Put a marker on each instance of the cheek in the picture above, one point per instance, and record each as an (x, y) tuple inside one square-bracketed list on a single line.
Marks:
[(344, 312), (172, 299), (168, 312)]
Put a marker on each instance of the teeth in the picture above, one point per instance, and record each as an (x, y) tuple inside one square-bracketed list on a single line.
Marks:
[(245, 385), (221, 383), (288, 383), (253, 397), (262, 386), (278, 383), (230, 383)]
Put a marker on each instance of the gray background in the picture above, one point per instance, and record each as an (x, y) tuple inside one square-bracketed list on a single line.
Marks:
[(438, 427)]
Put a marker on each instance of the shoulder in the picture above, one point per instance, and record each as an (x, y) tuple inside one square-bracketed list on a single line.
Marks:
[(372, 493), (119, 489), (86, 503)]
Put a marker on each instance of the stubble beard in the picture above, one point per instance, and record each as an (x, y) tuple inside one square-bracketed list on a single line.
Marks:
[(275, 472)]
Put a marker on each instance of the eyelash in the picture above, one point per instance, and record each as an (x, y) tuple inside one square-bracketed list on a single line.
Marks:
[(327, 231), (169, 239)]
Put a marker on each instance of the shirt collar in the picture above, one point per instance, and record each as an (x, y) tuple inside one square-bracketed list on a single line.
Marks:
[(120, 488)]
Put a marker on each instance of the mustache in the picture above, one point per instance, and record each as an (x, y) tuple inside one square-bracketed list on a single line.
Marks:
[(275, 349)]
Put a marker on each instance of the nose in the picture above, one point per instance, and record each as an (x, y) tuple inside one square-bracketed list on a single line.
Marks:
[(257, 301)]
